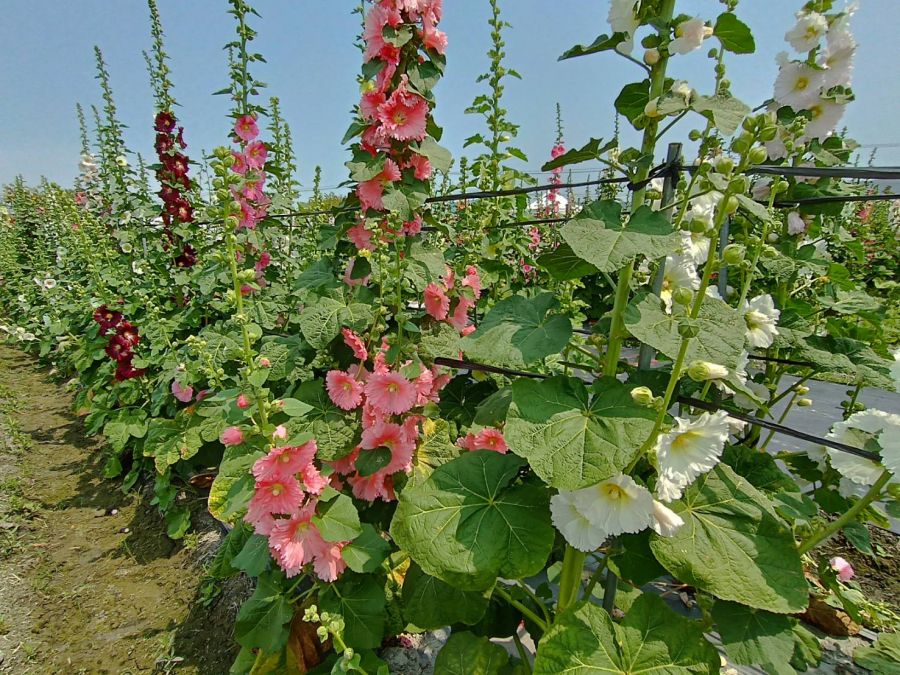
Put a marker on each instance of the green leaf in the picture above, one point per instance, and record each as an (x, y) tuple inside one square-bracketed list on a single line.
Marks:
[(562, 264), (726, 112), (601, 44), (294, 408), (720, 340), (338, 520), (361, 601), (882, 657), (234, 467), (593, 150), (320, 323), (370, 461), (365, 166), (169, 441), (264, 618), (178, 521), (634, 562), (650, 639), (519, 330), (332, 428), (466, 654), (435, 449), (367, 551), (221, 566), (734, 545), (429, 603), (569, 440), (468, 522), (598, 236), (439, 157), (254, 558), (734, 34), (633, 99), (754, 636)]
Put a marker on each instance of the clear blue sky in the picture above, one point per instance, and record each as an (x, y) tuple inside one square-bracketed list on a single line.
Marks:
[(312, 65)]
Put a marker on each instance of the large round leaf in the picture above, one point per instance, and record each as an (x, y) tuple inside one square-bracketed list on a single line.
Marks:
[(468, 522), (651, 639), (570, 440), (734, 546)]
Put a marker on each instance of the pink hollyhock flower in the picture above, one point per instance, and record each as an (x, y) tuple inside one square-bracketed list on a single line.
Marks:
[(391, 393), (206, 393), (249, 217), (370, 193), (264, 362), (328, 563), (182, 393), (313, 481), (374, 139), (373, 30), (265, 259), (343, 390), (297, 541), (843, 568), (395, 438), (278, 495), (460, 317), (246, 128), (368, 104), (421, 167), (467, 442), (369, 488), (231, 436), (437, 304), (412, 227), (433, 38), (490, 439), (284, 462), (424, 384), (280, 433), (557, 150), (348, 275), (472, 280), (404, 114), (449, 278), (256, 154), (242, 401), (355, 343), (535, 234), (361, 237), (240, 165), (371, 416), (346, 465), (441, 380)]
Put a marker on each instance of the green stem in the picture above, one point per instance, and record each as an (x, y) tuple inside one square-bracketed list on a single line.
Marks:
[(540, 603), (853, 398), (499, 590), (835, 526), (570, 578), (787, 409), (523, 655), (595, 578)]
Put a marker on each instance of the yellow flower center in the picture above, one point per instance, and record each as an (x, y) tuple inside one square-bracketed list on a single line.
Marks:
[(802, 83), (399, 117), (614, 492), (284, 457), (682, 441), (277, 489), (393, 388)]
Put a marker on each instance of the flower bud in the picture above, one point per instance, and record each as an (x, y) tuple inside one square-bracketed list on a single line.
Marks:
[(683, 296), (688, 329), (768, 133), (701, 371), (731, 205), (772, 238), (803, 390), (804, 402), (651, 56), (733, 254), (242, 401), (642, 396), (758, 155), (264, 362), (698, 226), (723, 164)]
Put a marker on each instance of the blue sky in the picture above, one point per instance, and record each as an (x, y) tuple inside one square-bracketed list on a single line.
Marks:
[(312, 65)]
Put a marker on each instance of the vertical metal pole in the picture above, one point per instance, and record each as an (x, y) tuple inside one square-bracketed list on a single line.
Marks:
[(673, 157)]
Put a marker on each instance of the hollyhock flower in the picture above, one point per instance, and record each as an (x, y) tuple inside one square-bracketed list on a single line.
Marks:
[(689, 35), (761, 318), (328, 563), (348, 275), (249, 217), (373, 139), (369, 104), (858, 431), (588, 517), (460, 317), (404, 115), (490, 439), (370, 488), (344, 390), (798, 85), (701, 371), (424, 385), (125, 371), (844, 570), (128, 332), (472, 280), (838, 61), (181, 392), (378, 17), (347, 464), (433, 38), (795, 223), (622, 19), (680, 272), (296, 542), (390, 393), (694, 247), (412, 227), (825, 117), (265, 259), (164, 122), (313, 481), (231, 436), (665, 521), (278, 495), (691, 449), (361, 237), (437, 304), (280, 433), (256, 154), (107, 318), (242, 401), (118, 348), (808, 32), (370, 194), (246, 128), (395, 438), (283, 462), (240, 165), (355, 343)]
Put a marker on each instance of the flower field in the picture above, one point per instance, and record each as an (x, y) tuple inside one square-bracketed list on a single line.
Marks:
[(454, 399)]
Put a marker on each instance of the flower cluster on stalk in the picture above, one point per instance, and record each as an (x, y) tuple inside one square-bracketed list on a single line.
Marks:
[(172, 175), (123, 338), (450, 298)]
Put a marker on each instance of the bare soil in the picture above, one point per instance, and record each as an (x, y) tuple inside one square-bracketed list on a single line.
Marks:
[(89, 582)]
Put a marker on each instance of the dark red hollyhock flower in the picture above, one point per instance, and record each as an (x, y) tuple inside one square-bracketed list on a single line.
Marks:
[(165, 122), (164, 143), (180, 138), (126, 371), (107, 318), (177, 164), (168, 193), (129, 332), (185, 213), (187, 258), (118, 349)]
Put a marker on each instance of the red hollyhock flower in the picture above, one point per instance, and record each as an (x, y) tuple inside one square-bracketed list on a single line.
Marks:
[(165, 122), (177, 164), (187, 258), (126, 371), (119, 349), (107, 318), (129, 332), (164, 144)]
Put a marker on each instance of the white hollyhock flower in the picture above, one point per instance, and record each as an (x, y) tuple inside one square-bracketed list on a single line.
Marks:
[(761, 189), (589, 516), (689, 35), (857, 431), (838, 64), (825, 117), (746, 402), (665, 521), (701, 371), (808, 31), (798, 85), (692, 448), (703, 208), (695, 246), (127, 247), (621, 19), (847, 489), (680, 272), (761, 318), (137, 268), (795, 223), (683, 89), (49, 283)]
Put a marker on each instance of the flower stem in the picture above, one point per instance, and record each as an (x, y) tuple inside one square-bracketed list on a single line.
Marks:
[(835, 526), (570, 578), (502, 592)]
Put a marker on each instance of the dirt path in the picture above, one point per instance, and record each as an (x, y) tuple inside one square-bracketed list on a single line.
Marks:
[(89, 583)]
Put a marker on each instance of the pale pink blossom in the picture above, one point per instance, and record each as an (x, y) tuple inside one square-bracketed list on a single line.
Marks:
[(284, 462), (361, 237), (472, 280), (246, 128), (183, 393), (390, 393), (437, 304), (404, 114), (460, 317), (843, 569), (343, 389), (328, 563), (280, 433), (355, 343), (231, 436)]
